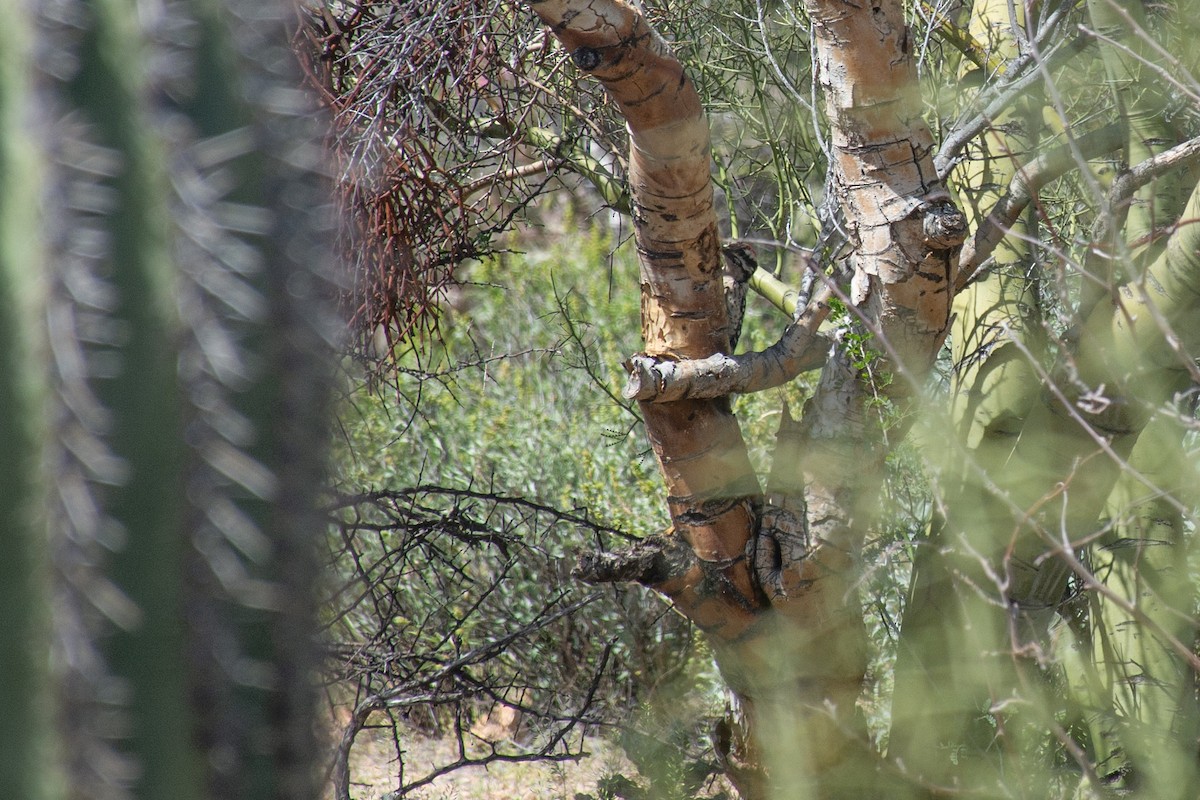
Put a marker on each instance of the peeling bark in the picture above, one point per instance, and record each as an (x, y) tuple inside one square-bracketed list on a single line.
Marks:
[(795, 672), (887, 183), (709, 480)]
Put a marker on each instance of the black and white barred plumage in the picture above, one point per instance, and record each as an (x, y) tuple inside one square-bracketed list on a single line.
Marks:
[(738, 264)]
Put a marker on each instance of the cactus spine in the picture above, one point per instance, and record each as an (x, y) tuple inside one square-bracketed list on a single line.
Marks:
[(162, 402)]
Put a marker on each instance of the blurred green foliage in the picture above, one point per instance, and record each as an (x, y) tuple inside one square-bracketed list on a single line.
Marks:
[(507, 397)]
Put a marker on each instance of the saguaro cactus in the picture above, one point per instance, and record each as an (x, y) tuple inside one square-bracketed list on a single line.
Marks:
[(161, 402), (23, 736)]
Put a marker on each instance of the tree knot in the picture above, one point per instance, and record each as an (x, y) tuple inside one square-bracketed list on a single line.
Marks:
[(944, 225), (586, 58)]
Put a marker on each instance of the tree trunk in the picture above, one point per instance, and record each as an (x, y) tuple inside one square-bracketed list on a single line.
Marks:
[(771, 579)]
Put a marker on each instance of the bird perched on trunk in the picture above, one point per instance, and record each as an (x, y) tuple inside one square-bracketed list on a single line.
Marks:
[(738, 264)]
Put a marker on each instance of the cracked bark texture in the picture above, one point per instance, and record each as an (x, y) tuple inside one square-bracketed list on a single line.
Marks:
[(698, 442), (903, 228), (771, 578)]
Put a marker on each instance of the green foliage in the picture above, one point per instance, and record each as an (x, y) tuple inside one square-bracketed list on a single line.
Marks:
[(751, 63), (516, 394), (516, 401)]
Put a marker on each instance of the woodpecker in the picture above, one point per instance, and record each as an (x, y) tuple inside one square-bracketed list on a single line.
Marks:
[(738, 265)]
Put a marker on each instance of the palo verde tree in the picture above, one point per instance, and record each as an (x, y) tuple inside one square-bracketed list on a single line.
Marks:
[(983, 219)]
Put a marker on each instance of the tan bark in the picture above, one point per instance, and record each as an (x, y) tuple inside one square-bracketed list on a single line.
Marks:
[(905, 235), (709, 480), (796, 673), (904, 230)]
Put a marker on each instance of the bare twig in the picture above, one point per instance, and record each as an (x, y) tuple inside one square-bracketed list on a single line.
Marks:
[(1137, 176), (1023, 75), (1021, 190), (401, 696)]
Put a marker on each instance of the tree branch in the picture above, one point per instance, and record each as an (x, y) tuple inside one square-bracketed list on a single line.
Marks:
[(698, 442), (1005, 94), (538, 167), (651, 562), (798, 350), (962, 40), (784, 297), (1028, 181), (1181, 155)]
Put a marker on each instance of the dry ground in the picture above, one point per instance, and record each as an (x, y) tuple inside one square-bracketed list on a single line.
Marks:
[(373, 771)]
